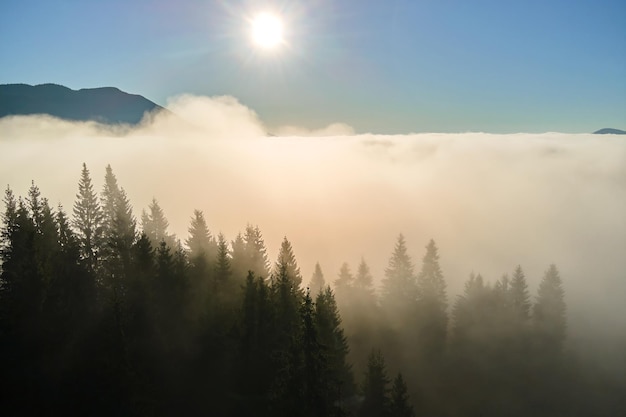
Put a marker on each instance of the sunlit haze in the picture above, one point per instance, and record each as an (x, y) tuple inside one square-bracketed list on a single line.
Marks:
[(267, 30), (490, 201), (321, 208)]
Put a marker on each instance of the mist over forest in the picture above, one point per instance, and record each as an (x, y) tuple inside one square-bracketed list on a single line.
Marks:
[(486, 270)]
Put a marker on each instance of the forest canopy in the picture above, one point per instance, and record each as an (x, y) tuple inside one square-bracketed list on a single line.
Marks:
[(106, 313)]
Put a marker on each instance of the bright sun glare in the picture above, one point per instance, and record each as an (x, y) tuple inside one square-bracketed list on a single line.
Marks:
[(267, 30)]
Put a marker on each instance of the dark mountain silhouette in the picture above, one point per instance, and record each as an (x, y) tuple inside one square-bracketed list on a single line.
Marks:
[(106, 105), (609, 131)]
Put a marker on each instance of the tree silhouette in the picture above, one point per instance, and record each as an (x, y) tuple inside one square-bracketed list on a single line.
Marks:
[(375, 391), (399, 290), (549, 314), (432, 304), (88, 220), (335, 345), (154, 225), (287, 264), (317, 280), (399, 405)]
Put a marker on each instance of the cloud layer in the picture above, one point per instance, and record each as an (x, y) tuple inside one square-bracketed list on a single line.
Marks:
[(489, 201)]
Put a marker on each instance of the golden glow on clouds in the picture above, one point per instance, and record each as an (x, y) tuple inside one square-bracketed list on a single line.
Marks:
[(491, 202)]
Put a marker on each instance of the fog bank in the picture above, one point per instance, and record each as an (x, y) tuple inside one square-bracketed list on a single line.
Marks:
[(491, 202)]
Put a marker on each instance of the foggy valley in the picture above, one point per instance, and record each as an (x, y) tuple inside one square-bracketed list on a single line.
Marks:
[(489, 202)]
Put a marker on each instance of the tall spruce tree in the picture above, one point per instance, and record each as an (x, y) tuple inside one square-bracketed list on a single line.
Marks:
[(154, 225), (222, 263), (519, 296), (287, 261), (88, 220), (335, 344), (343, 286), (375, 387), (399, 405), (319, 396), (317, 282), (201, 244), (399, 290), (256, 253), (432, 320), (549, 311), (363, 282)]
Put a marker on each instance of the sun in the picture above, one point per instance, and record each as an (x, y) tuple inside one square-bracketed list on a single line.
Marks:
[(267, 30)]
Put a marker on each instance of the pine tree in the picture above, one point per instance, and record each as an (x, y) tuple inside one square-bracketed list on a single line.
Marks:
[(519, 297), (375, 391), (119, 225), (432, 320), (399, 290), (222, 263), (287, 348), (88, 220), (200, 242), (154, 225), (239, 258), (35, 205), (343, 286), (9, 224), (363, 281), (319, 395), (109, 201), (431, 286), (287, 261), (256, 253), (257, 371), (23, 331), (549, 317), (332, 338), (317, 280), (286, 300), (399, 402), (466, 310)]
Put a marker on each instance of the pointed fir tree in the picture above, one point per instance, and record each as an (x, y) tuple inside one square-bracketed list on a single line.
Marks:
[(88, 220), (239, 259), (466, 312), (317, 280), (200, 243), (549, 314), (9, 225), (222, 264), (319, 396), (364, 281), (335, 344), (432, 317), (431, 287), (399, 405), (109, 200), (518, 293), (287, 263), (398, 287), (375, 387), (154, 225), (343, 286), (256, 259), (123, 231), (119, 225)]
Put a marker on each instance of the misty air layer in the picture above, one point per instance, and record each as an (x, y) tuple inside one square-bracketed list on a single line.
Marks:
[(195, 265)]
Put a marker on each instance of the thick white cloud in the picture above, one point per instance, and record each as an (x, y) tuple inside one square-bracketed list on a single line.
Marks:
[(489, 201)]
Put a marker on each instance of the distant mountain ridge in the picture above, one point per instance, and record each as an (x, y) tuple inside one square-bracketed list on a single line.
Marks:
[(106, 104), (610, 131)]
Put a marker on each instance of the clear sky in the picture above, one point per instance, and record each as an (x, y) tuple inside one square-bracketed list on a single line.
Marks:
[(389, 66)]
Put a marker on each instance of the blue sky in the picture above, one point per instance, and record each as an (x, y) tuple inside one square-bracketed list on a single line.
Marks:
[(391, 66)]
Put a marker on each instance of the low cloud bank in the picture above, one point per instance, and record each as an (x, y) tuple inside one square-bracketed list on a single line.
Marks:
[(489, 201)]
